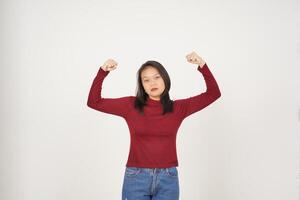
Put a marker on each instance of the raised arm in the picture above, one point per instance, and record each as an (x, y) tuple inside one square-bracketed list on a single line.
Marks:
[(116, 106), (196, 103)]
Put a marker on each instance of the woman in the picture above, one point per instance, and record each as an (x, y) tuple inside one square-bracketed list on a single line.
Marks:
[(153, 120)]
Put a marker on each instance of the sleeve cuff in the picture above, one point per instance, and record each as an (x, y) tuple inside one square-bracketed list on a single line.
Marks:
[(101, 71), (202, 68)]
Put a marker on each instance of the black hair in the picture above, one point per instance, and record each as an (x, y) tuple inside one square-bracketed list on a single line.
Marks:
[(141, 95)]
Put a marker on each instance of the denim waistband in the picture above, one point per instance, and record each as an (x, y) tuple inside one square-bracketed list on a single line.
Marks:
[(152, 169)]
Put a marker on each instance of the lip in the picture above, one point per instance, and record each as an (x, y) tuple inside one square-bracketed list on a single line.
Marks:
[(152, 89)]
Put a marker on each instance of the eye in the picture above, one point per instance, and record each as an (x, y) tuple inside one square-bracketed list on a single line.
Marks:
[(145, 80), (157, 77)]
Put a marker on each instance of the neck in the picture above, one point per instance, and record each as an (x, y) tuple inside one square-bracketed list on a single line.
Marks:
[(155, 99)]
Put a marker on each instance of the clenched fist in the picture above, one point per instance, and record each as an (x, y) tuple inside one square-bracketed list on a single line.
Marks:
[(109, 65), (195, 59)]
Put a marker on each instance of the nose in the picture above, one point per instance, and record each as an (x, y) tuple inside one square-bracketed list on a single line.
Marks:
[(152, 82)]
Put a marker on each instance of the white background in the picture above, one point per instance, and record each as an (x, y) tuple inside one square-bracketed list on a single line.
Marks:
[(244, 146)]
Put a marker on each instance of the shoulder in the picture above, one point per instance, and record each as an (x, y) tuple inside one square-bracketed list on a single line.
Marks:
[(129, 98), (181, 101), (123, 99)]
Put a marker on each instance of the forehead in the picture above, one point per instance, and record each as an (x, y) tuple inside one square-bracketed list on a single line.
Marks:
[(149, 71)]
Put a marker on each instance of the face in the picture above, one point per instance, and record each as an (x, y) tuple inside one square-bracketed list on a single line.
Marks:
[(152, 79)]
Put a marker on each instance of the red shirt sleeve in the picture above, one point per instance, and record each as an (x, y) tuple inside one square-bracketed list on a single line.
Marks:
[(196, 103), (116, 106)]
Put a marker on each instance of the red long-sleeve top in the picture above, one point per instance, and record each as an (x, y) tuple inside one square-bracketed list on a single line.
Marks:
[(153, 135)]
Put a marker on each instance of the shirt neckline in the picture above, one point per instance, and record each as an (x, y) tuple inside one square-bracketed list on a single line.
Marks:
[(153, 102)]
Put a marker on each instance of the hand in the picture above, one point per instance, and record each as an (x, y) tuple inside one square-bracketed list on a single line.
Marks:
[(109, 65), (194, 58)]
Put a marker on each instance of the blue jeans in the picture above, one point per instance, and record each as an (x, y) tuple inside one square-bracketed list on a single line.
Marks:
[(150, 183)]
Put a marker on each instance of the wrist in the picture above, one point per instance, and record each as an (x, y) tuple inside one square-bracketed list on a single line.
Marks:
[(103, 68), (201, 64)]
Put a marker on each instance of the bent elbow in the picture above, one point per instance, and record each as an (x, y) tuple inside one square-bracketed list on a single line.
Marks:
[(218, 94), (97, 105), (90, 103), (215, 94)]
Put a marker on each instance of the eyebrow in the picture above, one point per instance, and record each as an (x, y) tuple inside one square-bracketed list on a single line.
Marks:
[(152, 75)]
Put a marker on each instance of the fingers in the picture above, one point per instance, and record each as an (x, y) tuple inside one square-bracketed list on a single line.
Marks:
[(110, 65), (111, 68), (191, 59), (194, 58)]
